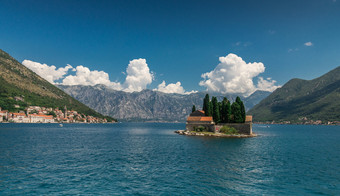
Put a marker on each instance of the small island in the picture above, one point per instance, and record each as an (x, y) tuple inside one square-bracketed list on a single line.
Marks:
[(219, 119)]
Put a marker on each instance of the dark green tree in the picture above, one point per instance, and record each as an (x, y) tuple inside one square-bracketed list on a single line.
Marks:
[(243, 110), (216, 110), (223, 110), (206, 105), (210, 109), (228, 112), (236, 113), (220, 110), (193, 108)]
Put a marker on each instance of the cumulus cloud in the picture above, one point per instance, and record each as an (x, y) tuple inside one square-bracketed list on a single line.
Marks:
[(234, 75), (138, 75), (84, 76), (308, 44), (49, 73), (172, 88), (266, 84)]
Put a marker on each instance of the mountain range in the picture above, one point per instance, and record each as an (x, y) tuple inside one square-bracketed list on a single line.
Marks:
[(21, 87), (297, 100), (147, 105)]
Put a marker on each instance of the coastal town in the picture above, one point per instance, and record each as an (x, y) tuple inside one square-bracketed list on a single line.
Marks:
[(301, 121), (37, 114)]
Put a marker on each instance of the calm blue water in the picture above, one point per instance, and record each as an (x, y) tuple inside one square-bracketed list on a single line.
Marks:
[(149, 159)]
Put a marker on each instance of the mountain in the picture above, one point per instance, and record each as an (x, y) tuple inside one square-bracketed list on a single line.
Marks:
[(255, 98), (298, 99), (146, 105), (22, 87)]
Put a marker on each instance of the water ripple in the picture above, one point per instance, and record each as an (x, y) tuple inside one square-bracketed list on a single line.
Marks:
[(149, 159)]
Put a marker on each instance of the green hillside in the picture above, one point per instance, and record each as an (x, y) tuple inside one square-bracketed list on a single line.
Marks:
[(317, 99), (21, 86)]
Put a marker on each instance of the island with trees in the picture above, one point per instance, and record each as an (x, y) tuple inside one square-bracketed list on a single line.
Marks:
[(219, 118)]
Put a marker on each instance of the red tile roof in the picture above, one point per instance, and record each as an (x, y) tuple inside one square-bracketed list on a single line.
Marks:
[(19, 114), (249, 118), (41, 115), (200, 118)]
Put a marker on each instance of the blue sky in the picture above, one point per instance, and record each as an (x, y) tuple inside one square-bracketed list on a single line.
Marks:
[(180, 40)]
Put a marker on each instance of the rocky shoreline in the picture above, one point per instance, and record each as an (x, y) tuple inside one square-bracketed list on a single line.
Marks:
[(205, 134)]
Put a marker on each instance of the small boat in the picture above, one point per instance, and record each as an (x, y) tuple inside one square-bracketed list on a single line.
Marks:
[(61, 125)]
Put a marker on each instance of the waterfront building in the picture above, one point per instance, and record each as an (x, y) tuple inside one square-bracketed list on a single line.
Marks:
[(19, 118), (41, 118), (198, 120)]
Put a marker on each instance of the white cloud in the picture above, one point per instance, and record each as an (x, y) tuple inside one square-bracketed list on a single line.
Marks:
[(266, 84), (293, 50), (172, 88), (84, 76), (234, 75), (49, 73), (138, 76), (308, 44), (242, 44)]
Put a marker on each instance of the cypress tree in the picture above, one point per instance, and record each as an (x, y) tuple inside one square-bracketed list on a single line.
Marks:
[(206, 105), (210, 109), (193, 108), (216, 110), (243, 110), (228, 112), (220, 111), (224, 110), (236, 112)]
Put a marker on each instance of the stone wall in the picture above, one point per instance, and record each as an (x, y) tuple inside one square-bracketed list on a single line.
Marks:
[(192, 125), (243, 128)]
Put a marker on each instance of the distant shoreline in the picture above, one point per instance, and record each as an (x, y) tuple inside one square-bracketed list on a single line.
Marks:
[(256, 123), (58, 123), (271, 123)]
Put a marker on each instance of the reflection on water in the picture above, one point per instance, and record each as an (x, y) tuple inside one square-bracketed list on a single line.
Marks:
[(142, 158)]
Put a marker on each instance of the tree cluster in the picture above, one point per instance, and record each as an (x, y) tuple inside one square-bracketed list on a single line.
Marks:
[(224, 111)]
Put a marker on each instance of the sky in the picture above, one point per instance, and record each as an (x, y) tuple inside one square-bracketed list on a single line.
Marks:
[(174, 46)]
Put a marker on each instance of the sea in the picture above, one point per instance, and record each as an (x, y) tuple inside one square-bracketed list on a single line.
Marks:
[(150, 159)]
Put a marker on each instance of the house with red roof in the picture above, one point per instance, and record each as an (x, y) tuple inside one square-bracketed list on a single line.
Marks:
[(18, 118), (197, 121), (40, 118)]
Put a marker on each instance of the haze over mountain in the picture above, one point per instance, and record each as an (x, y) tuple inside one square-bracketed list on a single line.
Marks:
[(316, 99), (17, 80), (147, 105)]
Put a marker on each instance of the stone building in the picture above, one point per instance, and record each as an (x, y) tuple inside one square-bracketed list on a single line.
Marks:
[(40, 118), (19, 118), (198, 121)]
